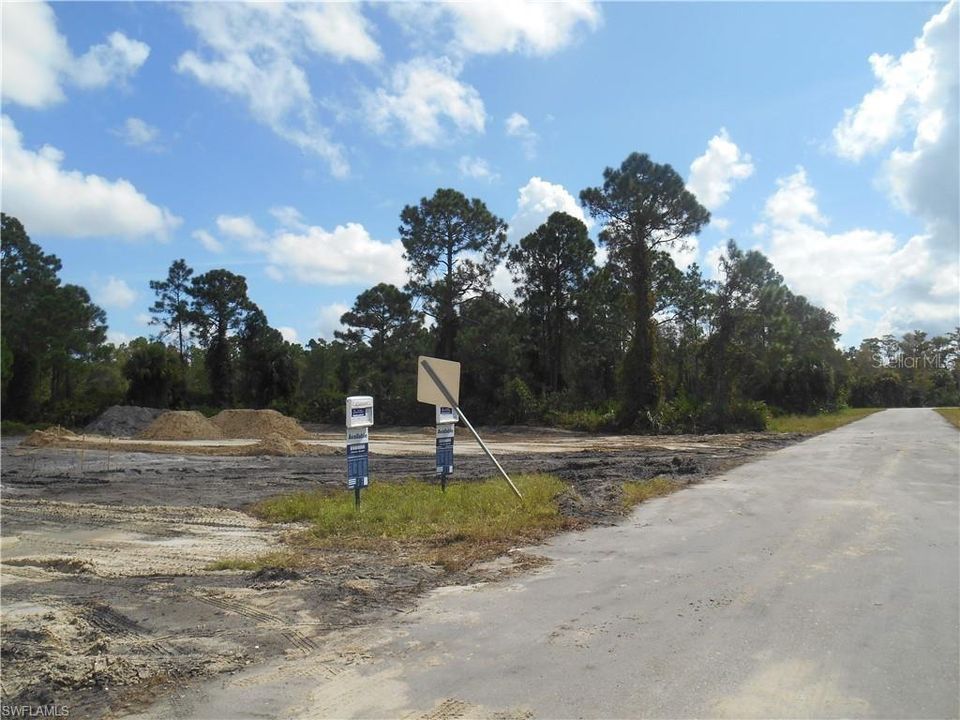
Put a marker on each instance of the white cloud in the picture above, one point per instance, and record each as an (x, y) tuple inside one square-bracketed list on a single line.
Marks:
[(711, 260), (143, 319), (722, 224), (273, 273), (476, 168), (495, 26), (713, 174), (118, 338), (794, 203), (425, 99), (37, 60), (916, 94), (52, 201), (502, 282), (339, 30), (537, 200), (518, 126), (208, 241), (907, 86), (115, 293), (115, 61), (288, 216), (347, 255), (241, 227), (289, 334), (601, 255), (684, 253), (137, 133), (258, 53), (328, 319), (860, 273)]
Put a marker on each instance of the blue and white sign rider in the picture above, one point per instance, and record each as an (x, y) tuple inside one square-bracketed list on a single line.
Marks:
[(359, 420), (447, 418)]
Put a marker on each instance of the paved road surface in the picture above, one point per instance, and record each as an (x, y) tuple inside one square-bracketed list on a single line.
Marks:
[(819, 581)]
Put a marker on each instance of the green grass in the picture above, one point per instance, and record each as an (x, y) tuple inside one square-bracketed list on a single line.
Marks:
[(13, 427), (636, 491), (951, 415), (810, 424), (417, 511)]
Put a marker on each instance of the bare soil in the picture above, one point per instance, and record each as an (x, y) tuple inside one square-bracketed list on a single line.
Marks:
[(108, 599)]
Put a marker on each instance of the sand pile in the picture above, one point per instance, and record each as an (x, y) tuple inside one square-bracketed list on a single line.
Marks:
[(51, 436), (275, 444), (181, 425), (123, 421), (260, 424)]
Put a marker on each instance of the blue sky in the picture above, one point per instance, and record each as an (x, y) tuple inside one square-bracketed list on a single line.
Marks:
[(282, 141)]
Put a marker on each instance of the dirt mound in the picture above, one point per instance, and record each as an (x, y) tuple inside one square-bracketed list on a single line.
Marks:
[(181, 425), (51, 436), (275, 444), (123, 420), (260, 424)]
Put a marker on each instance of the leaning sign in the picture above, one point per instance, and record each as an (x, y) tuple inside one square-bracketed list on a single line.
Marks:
[(438, 383)]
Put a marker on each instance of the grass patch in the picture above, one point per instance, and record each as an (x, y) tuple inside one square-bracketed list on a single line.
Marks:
[(810, 424), (13, 427), (470, 522), (951, 415), (415, 510), (636, 491)]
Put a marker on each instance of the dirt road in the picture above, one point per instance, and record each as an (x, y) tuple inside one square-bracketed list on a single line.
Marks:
[(818, 581), (110, 603)]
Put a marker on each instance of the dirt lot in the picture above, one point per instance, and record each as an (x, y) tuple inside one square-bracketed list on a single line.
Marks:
[(107, 599)]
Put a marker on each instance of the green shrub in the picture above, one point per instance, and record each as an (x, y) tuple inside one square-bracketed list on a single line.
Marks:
[(594, 421), (680, 415)]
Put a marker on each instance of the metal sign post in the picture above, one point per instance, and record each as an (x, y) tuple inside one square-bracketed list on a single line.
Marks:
[(359, 420), (451, 399)]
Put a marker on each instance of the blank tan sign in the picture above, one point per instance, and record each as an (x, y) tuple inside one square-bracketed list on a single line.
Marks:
[(447, 371)]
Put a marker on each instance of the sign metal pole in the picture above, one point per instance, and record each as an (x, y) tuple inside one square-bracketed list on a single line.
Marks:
[(455, 406)]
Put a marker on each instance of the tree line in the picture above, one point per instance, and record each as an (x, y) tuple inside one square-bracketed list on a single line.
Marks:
[(634, 344)]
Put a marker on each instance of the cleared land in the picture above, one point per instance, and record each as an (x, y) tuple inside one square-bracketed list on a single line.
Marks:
[(111, 592)]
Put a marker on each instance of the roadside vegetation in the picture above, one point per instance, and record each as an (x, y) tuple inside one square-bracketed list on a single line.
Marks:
[(469, 522), (812, 424), (951, 415), (636, 491)]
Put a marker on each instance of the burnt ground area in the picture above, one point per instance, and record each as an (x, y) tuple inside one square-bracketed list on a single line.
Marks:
[(109, 602)]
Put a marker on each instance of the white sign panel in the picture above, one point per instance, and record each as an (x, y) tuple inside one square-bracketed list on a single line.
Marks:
[(359, 411), (446, 414)]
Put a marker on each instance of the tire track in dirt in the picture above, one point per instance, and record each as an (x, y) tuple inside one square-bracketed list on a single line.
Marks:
[(297, 639)]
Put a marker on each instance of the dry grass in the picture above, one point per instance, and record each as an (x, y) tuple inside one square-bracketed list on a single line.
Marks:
[(636, 491), (951, 415), (813, 424)]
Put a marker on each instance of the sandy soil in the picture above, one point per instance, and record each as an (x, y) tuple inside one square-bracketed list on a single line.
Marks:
[(108, 602)]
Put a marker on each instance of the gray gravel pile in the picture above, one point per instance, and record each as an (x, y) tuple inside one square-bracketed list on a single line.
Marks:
[(123, 421)]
